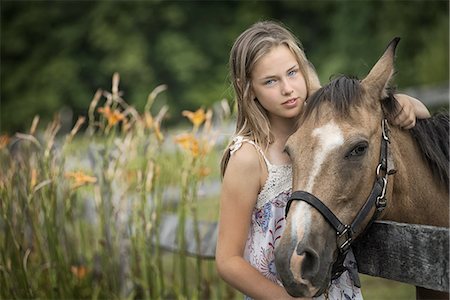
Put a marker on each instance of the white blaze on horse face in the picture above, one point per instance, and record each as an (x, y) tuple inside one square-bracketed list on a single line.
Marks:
[(329, 137), (301, 218)]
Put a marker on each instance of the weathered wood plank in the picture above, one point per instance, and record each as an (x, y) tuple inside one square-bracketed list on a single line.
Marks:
[(207, 231), (414, 254)]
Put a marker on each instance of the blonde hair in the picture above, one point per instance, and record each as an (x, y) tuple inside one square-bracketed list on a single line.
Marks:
[(249, 47)]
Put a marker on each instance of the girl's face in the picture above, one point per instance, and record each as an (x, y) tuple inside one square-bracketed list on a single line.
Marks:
[(278, 84)]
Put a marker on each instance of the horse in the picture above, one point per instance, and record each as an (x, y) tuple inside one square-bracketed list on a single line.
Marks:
[(350, 167)]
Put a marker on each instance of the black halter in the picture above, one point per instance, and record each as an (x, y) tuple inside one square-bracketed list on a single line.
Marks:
[(376, 198)]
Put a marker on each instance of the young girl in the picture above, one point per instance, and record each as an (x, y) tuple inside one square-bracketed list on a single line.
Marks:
[(272, 78)]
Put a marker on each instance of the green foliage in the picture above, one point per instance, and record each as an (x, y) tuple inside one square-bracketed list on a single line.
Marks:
[(55, 54)]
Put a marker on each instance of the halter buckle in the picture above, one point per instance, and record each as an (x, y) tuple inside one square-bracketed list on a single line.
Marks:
[(381, 203), (347, 233)]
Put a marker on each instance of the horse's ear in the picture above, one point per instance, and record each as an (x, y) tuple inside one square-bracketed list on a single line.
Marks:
[(378, 78)]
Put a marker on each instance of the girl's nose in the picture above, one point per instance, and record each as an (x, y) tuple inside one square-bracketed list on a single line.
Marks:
[(286, 89)]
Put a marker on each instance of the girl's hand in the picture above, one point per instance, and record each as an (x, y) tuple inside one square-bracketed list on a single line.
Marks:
[(409, 109), (406, 116)]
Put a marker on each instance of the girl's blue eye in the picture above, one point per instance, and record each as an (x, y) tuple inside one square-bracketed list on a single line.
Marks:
[(292, 73), (269, 82)]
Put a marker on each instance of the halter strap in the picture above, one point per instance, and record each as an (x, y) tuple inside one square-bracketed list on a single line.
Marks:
[(342, 230)]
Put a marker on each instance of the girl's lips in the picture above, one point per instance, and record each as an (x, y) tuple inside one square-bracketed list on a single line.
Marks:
[(291, 102)]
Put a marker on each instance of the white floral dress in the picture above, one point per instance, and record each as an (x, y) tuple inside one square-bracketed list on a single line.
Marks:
[(268, 223)]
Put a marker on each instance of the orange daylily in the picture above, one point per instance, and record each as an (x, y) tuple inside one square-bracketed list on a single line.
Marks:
[(158, 132), (33, 178), (197, 117), (188, 142), (203, 172), (4, 141), (79, 271), (113, 117), (148, 120), (79, 178)]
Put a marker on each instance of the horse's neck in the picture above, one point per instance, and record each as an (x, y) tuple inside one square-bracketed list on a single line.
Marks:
[(416, 195)]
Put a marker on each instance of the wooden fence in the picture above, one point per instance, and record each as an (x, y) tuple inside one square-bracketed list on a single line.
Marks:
[(409, 253)]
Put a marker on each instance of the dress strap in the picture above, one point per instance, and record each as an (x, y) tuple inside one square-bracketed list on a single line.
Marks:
[(237, 143)]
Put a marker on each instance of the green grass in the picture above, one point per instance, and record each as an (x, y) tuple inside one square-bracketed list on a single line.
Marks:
[(375, 288)]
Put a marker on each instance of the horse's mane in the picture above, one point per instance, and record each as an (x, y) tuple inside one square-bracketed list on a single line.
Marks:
[(431, 135), (342, 92)]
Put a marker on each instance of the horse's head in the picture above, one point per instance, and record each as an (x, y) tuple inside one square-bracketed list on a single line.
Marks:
[(335, 153)]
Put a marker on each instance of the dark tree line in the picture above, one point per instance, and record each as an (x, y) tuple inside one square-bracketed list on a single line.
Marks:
[(56, 54)]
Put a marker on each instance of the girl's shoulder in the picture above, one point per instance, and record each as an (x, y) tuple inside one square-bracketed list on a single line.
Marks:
[(244, 155), (243, 172)]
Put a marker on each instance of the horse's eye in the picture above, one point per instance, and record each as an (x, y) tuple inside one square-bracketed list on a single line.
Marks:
[(358, 150)]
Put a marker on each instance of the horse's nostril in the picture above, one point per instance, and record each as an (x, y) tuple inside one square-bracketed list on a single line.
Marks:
[(310, 264)]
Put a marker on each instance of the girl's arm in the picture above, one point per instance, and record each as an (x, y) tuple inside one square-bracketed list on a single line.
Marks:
[(240, 186), (410, 109)]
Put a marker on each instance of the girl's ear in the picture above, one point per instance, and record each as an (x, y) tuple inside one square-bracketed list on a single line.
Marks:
[(251, 92)]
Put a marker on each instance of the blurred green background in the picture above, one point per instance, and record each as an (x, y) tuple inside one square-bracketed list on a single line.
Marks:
[(55, 54)]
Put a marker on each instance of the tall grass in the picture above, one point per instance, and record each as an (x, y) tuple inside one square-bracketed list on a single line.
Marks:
[(83, 222)]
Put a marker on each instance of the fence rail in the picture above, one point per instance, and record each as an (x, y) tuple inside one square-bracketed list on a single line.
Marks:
[(413, 254)]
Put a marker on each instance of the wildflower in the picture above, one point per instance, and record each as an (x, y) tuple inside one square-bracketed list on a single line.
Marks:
[(188, 142), (207, 146), (208, 120), (204, 171), (126, 126), (158, 132), (115, 83), (130, 176), (79, 179), (4, 141), (76, 128), (33, 178), (197, 117), (34, 125), (148, 120), (113, 117), (79, 271)]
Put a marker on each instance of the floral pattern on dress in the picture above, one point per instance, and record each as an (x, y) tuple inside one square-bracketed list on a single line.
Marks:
[(281, 200), (267, 264), (263, 216), (267, 225)]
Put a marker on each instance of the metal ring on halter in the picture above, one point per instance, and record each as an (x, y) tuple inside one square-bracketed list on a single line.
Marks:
[(379, 169)]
